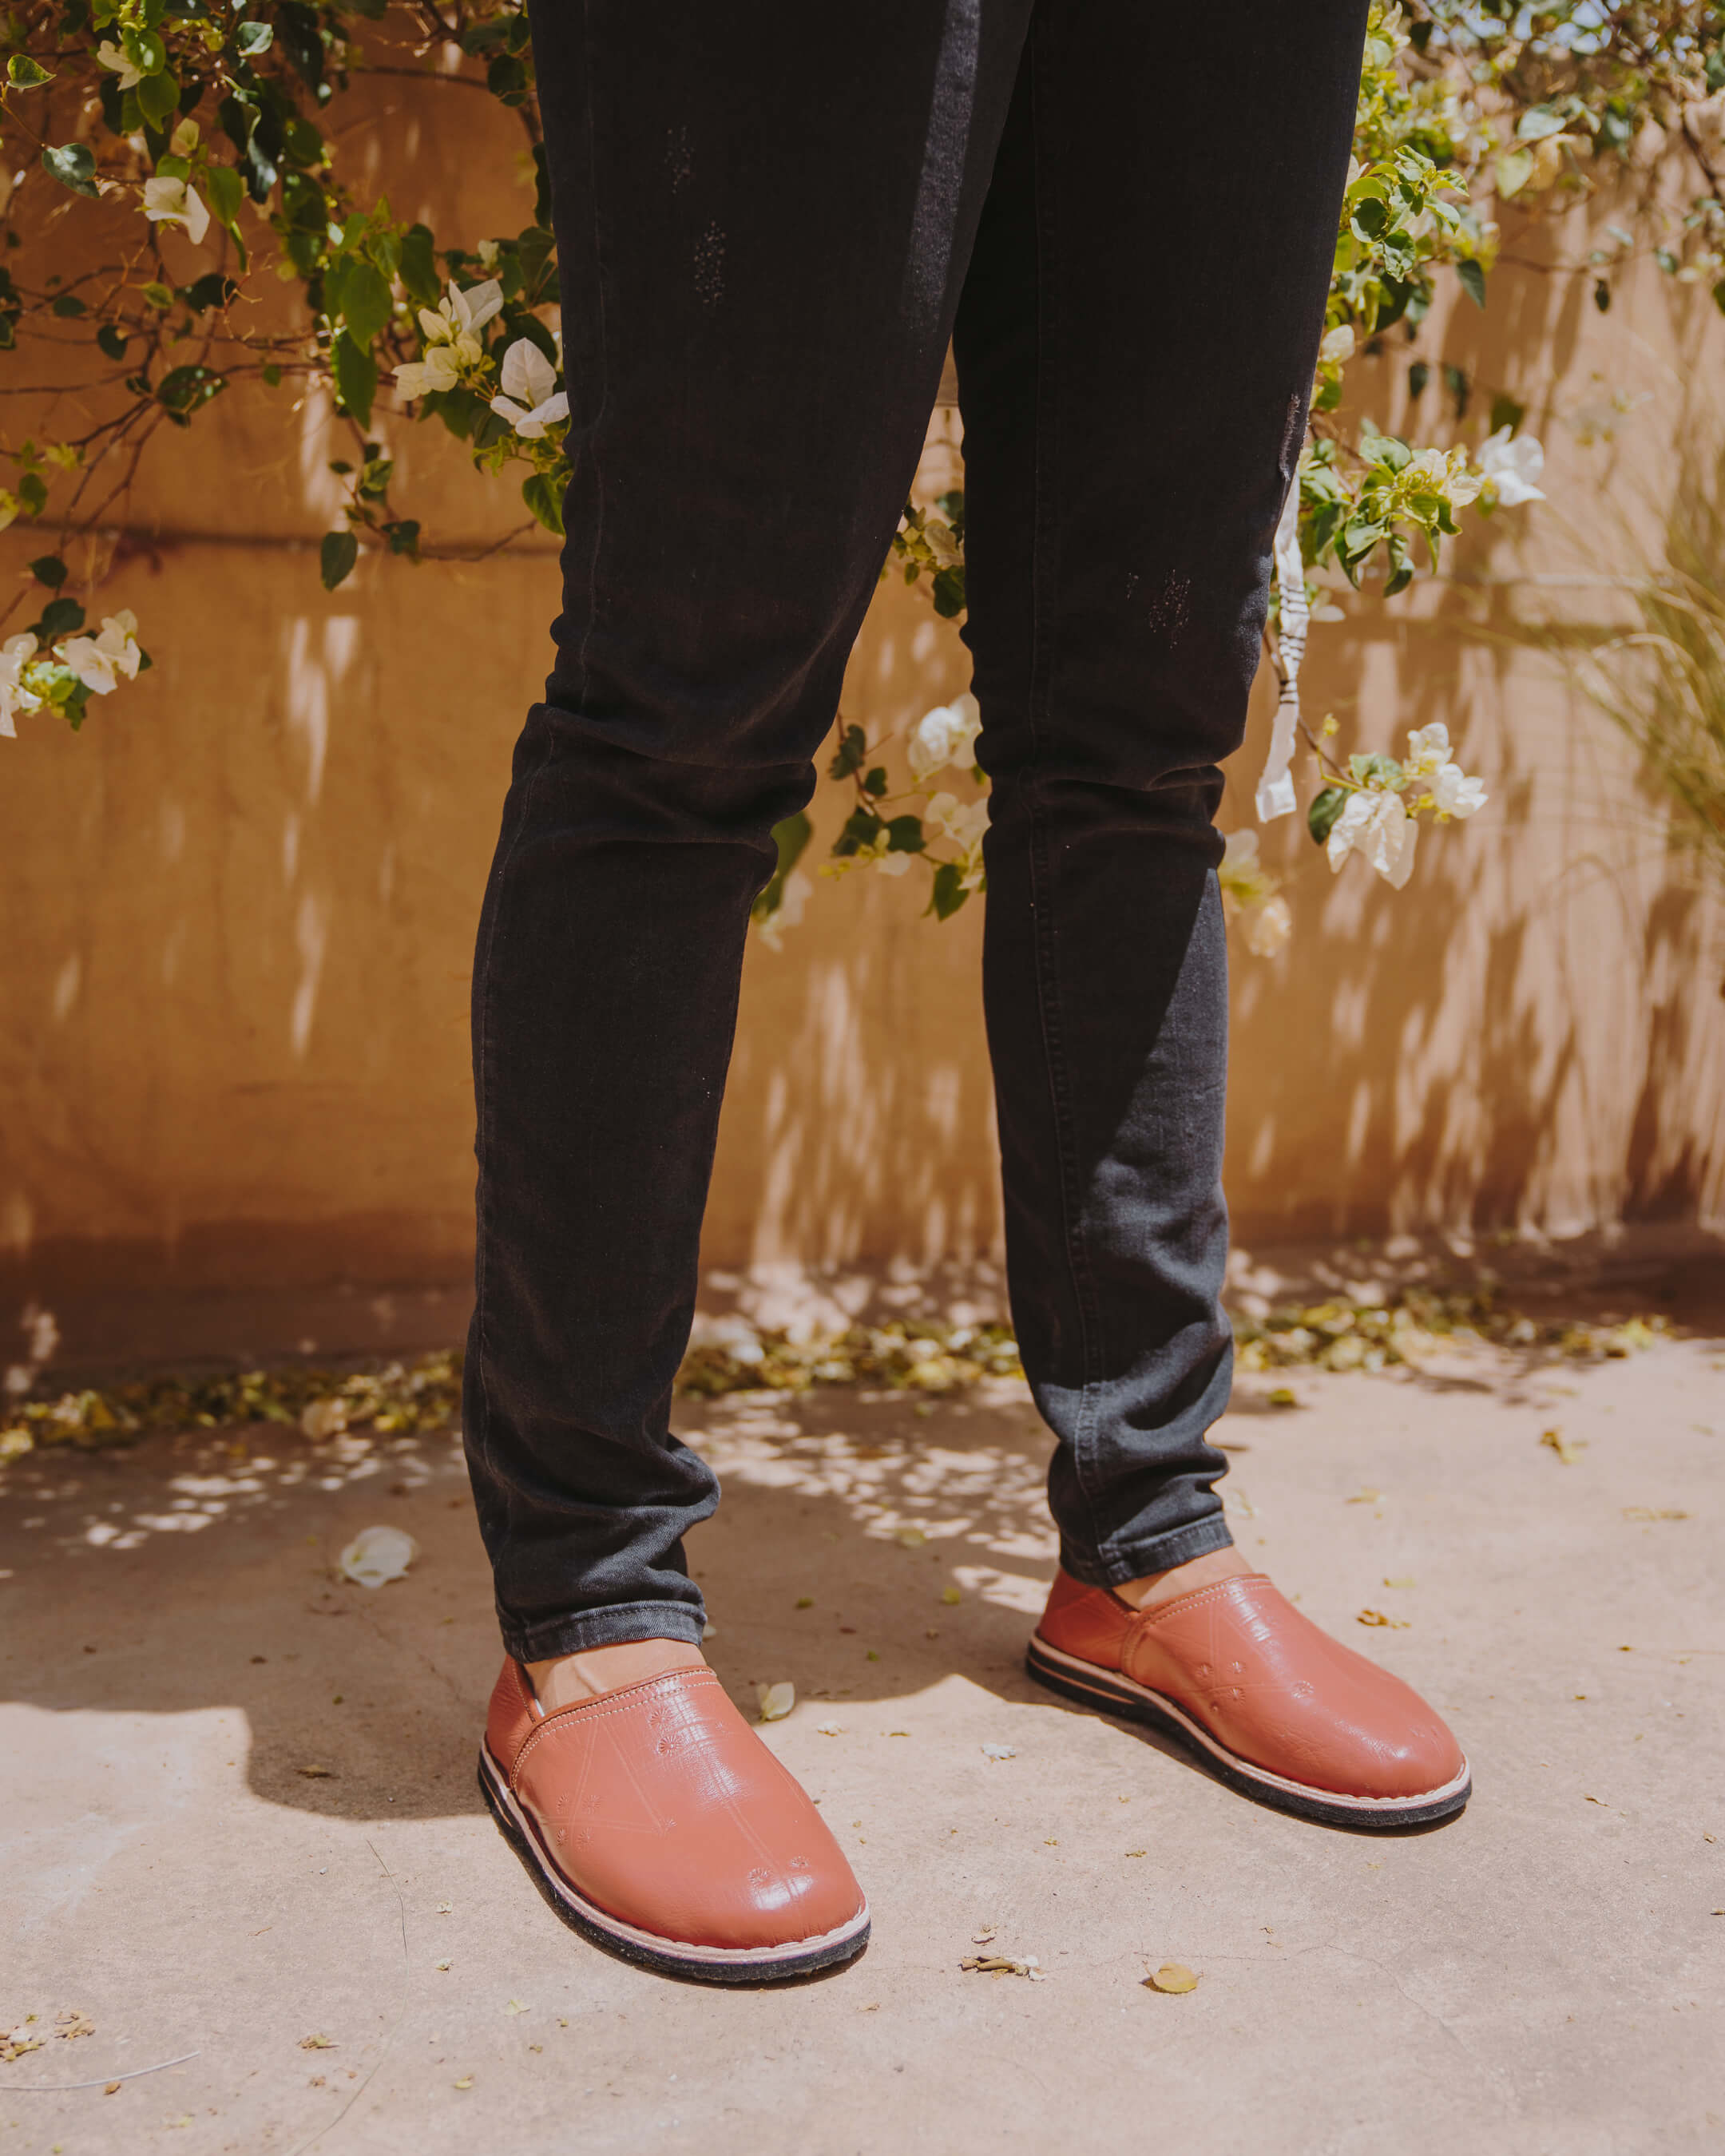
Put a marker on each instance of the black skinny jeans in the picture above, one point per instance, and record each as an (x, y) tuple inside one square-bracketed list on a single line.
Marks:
[(770, 221)]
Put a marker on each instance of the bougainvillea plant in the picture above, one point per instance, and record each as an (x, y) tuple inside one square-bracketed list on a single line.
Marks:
[(214, 125)]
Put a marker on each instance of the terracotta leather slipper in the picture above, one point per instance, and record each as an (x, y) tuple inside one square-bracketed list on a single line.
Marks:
[(1276, 1708), (657, 1825)]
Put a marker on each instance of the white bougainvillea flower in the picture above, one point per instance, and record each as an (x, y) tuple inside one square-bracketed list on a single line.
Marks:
[(1268, 927), (15, 654), (99, 661), (945, 735), (964, 822), (460, 316), (943, 542), (1377, 825), (792, 901), (531, 401), (176, 202), (440, 369), (116, 61), (1454, 794), (774, 1701), (1451, 476), (377, 1555), (1512, 464), (1428, 750), (1239, 850)]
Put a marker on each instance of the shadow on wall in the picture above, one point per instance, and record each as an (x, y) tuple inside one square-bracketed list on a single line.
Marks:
[(1529, 1036)]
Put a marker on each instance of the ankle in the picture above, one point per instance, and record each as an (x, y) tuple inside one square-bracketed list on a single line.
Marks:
[(567, 1679), (1156, 1588)]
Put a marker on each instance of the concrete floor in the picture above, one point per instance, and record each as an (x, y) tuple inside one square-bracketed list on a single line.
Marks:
[(1546, 1975)]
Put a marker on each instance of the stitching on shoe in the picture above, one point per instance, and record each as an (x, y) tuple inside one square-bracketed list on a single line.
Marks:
[(1223, 1588), (622, 1701)]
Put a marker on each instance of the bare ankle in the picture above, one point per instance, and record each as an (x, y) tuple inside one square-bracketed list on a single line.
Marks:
[(567, 1679), (1159, 1587)]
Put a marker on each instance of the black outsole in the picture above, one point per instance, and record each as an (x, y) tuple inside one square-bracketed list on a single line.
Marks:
[(1315, 1808), (667, 1963)]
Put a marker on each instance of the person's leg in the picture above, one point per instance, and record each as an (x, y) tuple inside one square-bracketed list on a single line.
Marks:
[(761, 215), (1135, 345)]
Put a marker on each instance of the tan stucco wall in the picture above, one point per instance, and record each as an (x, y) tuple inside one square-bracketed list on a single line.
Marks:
[(239, 905)]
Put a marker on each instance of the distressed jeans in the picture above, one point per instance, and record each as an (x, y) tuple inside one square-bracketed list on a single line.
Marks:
[(771, 221)]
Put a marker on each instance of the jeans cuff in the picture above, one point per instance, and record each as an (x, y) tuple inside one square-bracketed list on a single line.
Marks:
[(609, 1627), (1121, 1562)]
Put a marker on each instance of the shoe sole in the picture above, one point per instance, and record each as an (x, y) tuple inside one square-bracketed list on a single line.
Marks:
[(645, 1950), (1116, 1694)]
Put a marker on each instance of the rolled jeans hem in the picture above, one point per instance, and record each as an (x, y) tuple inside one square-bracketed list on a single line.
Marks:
[(613, 1627), (1113, 1567)]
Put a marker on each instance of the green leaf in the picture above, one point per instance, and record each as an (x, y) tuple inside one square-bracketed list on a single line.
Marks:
[(1515, 168), (862, 827), (853, 747), (67, 306), (365, 302), (254, 39), (158, 99), (336, 557), (183, 389), (1473, 281), (1539, 121), (48, 569), (949, 592), (1325, 809), (302, 141), (418, 267), (73, 165), (905, 835), (545, 498), (59, 618), (211, 290), (792, 837), (226, 191), (1362, 769), (874, 782), (404, 537), (1506, 412), (355, 377), (506, 79), (23, 72), (949, 893)]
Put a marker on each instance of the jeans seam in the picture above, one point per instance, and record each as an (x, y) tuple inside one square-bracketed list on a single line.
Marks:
[(1041, 892), (493, 937)]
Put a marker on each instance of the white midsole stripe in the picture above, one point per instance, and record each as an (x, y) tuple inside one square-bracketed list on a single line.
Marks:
[(1112, 1683), (751, 1957)]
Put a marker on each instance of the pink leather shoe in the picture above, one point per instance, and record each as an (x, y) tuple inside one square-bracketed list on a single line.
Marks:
[(656, 1823), (1273, 1706)]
